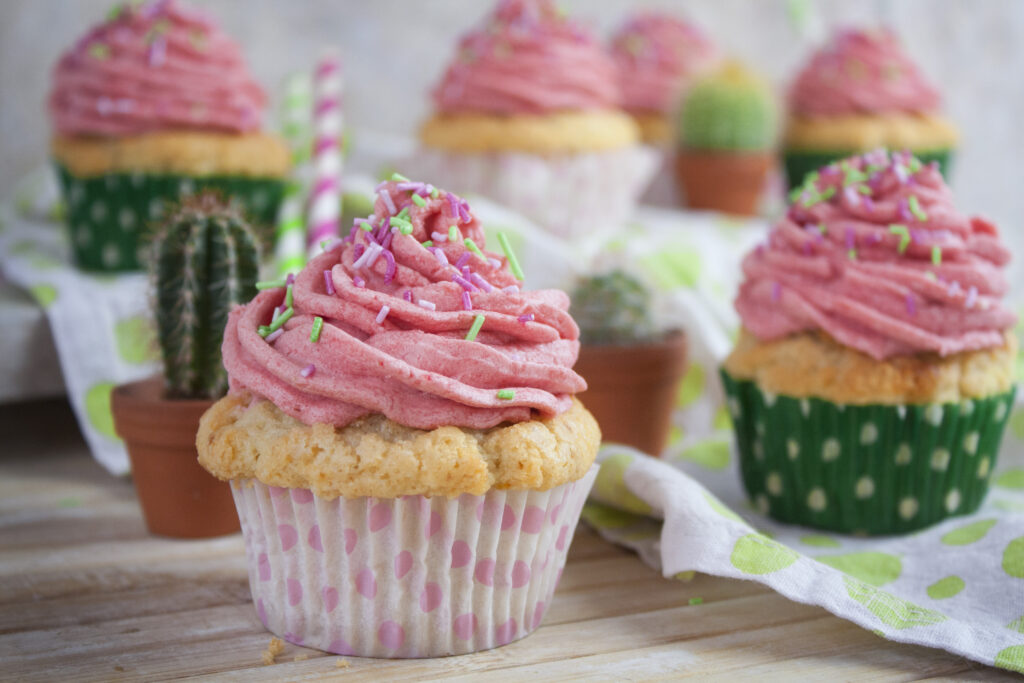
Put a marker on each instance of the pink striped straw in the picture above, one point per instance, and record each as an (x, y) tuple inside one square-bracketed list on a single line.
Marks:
[(324, 209)]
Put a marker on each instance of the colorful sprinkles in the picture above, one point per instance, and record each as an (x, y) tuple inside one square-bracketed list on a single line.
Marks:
[(478, 322), (506, 394), (314, 333)]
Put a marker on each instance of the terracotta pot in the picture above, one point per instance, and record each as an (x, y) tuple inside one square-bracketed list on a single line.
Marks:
[(179, 498), (730, 182), (631, 390)]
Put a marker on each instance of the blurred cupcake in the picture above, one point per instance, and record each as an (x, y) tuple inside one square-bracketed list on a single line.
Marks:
[(529, 115), (873, 378), (658, 56), (154, 103), (406, 454), (727, 132), (858, 93)]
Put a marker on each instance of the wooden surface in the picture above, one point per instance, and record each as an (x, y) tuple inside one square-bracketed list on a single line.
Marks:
[(86, 594)]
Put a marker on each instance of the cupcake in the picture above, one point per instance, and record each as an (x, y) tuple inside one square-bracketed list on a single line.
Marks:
[(873, 377), (658, 56), (860, 92), (154, 103), (727, 133), (401, 437), (529, 115)]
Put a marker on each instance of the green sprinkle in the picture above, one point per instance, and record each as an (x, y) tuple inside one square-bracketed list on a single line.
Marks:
[(863, 189), (100, 51), (288, 297), (435, 193), (471, 245), (822, 229), (506, 394), (696, 601), (263, 330), (403, 214), (418, 200), (404, 227), (269, 284), (852, 254), (314, 334), (914, 165), (904, 234), (399, 178), (795, 194), (936, 255), (367, 226), (478, 322), (915, 208), (428, 243), (453, 233), (930, 276), (281, 320), (513, 262), (828, 193)]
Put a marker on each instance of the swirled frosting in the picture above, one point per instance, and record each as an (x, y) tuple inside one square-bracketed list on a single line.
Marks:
[(395, 320), (658, 56), (861, 71), (528, 59), (154, 66), (873, 252)]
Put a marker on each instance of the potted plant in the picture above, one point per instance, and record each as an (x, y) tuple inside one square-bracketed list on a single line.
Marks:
[(204, 260), (632, 370)]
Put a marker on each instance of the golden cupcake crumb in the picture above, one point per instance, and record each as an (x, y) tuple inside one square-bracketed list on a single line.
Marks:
[(916, 132), (241, 437), (814, 365), (301, 657), (568, 132), (274, 648), (342, 663)]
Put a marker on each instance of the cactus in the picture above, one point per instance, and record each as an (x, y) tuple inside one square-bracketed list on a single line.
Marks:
[(204, 261), (730, 110), (612, 309)]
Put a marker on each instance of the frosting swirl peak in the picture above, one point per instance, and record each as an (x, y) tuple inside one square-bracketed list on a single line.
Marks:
[(528, 59), (862, 71), (419, 323), (873, 253), (154, 66)]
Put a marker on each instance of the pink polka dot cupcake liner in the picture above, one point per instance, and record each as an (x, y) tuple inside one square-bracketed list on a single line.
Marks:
[(410, 576)]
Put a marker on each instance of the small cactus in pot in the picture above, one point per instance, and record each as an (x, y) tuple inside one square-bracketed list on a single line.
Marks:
[(203, 260), (632, 368)]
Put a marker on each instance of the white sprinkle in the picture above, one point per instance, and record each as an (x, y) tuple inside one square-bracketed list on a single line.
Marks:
[(439, 255), (274, 335), (511, 289), (438, 237), (972, 297), (388, 202), (308, 370), (429, 305), (383, 313), (495, 263), (369, 256), (953, 289)]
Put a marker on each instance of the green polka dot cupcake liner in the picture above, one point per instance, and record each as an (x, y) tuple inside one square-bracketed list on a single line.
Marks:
[(798, 164), (108, 216), (864, 469)]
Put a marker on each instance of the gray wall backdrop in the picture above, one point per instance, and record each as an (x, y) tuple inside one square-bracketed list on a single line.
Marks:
[(395, 50)]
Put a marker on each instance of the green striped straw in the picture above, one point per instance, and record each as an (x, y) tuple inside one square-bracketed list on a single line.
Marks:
[(290, 246)]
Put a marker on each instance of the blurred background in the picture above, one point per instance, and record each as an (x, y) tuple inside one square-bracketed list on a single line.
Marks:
[(394, 52)]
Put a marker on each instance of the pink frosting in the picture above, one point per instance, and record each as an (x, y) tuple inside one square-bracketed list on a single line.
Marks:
[(873, 253), (528, 59), (151, 67), (658, 57), (395, 324), (862, 71)]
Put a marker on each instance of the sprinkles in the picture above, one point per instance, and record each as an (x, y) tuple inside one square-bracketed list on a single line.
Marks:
[(506, 394), (525, 318), (429, 305), (904, 234), (915, 208), (308, 370), (419, 201), (329, 283), (384, 310), (478, 322), (467, 302), (314, 334), (510, 256), (936, 255), (471, 245)]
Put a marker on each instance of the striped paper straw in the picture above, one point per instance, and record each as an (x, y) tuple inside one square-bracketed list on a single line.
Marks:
[(324, 203), (290, 246)]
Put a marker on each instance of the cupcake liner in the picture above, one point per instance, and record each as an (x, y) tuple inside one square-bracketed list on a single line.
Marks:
[(108, 214), (569, 195), (799, 163), (872, 469), (410, 576)]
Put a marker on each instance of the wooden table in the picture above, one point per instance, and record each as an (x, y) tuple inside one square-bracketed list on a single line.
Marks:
[(87, 594)]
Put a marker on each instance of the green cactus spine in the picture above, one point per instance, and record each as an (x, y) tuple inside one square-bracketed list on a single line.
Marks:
[(614, 309), (205, 260), (729, 110)]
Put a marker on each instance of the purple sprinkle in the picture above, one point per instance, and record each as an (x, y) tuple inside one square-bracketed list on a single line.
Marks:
[(439, 255), (953, 289), (405, 187), (526, 318), (290, 280), (358, 281), (464, 283), (911, 304), (274, 335), (972, 296), (463, 260), (874, 238), (917, 236), (329, 283), (851, 196), (158, 51), (387, 239), (308, 370), (104, 105), (453, 207), (465, 271), (467, 303), (464, 212), (429, 305), (389, 271), (439, 236), (851, 238), (358, 252), (480, 282), (901, 173), (407, 295), (384, 310), (904, 211), (776, 291), (511, 289)]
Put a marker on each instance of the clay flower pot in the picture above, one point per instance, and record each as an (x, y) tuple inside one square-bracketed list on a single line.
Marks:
[(730, 182), (178, 497), (631, 390)]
